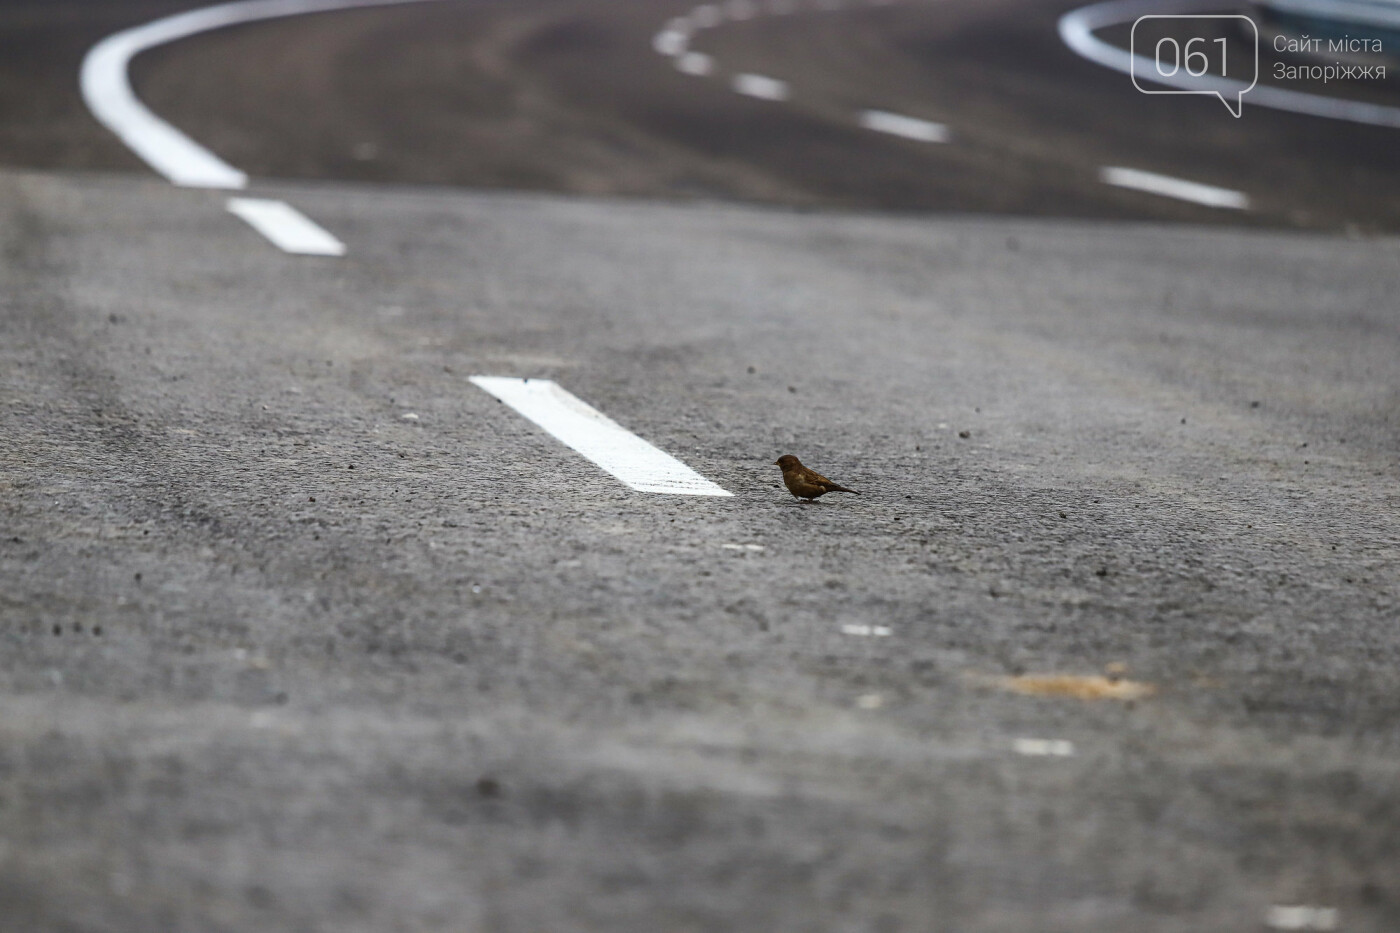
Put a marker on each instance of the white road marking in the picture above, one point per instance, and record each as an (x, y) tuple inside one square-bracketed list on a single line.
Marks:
[(1058, 748), (882, 121), (287, 228), (598, 438), (742, 547), (1165, 185), (866, 631), (1301, 918), (1077, 31), (670, 42), (761, 86), (108, 94), (696, 63)]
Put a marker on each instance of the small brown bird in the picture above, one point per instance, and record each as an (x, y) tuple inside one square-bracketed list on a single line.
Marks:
[(804, 483)]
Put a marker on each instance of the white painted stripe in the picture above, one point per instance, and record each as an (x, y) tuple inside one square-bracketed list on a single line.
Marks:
[(287, 228), (597, 437), (1301, 917), (882, 121), (1169, 187), (670, 42), (866, 631), (108, 94), (1055, 748), (696, 63), (761, 86), (1077, 31)]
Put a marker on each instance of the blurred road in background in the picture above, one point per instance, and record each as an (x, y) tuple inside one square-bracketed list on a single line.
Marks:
[(571, 96), (301, 629)]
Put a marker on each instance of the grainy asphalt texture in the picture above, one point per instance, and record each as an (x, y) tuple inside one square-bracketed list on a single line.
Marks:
[(277, 658), (274, 657)]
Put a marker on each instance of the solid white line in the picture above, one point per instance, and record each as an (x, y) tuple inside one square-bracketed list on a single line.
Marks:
[(882, 121), (1165, 185), (1077, 31), (598, 438), (761, 87), (108, 94), (287, 228)]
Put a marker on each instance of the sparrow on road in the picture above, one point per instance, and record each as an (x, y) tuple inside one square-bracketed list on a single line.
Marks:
[(804, 483)]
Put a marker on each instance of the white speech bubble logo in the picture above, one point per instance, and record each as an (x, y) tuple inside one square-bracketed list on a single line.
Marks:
[(1186, 68)]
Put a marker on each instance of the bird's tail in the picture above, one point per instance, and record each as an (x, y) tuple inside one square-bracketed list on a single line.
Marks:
[(835, 488)]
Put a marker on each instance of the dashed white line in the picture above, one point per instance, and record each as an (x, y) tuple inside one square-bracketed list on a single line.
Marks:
[(287, 228), (1301, 917), (1169, 187), (696, 63), (761, 86), (882, 121), (597, 437), (1050, 748), (867, 631), (670, 42)]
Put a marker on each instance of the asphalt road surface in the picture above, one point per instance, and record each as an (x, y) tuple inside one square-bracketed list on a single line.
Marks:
[(302, 630)]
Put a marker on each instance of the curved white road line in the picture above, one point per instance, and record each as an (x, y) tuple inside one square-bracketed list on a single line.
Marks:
[(1077, 30), (673, 41), (108, 94)]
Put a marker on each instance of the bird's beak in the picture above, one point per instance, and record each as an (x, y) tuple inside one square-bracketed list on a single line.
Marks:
[(775, 463)]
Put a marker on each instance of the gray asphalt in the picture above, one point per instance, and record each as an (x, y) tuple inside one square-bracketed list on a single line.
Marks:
[(276, 658)]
